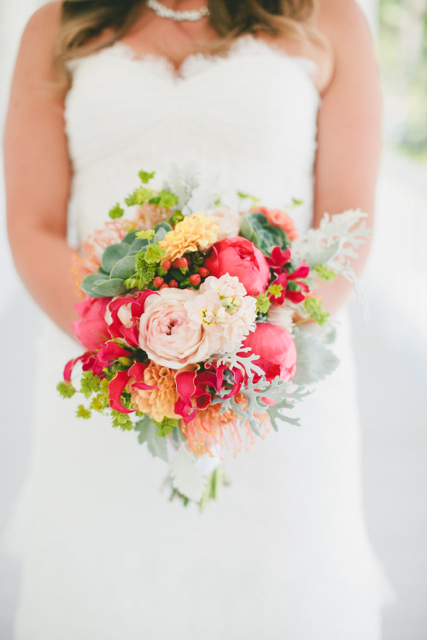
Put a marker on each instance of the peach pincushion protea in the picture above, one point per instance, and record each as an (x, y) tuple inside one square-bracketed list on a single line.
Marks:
[(87, 258), (191, 234), (160, 402), (210, 430), (150, 215)]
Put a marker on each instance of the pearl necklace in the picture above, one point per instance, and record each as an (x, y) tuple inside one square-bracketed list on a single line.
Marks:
[(178, 16)]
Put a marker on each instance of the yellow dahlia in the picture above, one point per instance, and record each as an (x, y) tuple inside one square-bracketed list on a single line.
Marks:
[(160, 402), (193, 233)]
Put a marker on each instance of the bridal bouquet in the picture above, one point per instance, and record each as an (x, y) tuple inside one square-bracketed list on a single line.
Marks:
[(198, 323)]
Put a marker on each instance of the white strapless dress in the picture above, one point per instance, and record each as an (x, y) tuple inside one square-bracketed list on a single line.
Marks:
[(284, 554)]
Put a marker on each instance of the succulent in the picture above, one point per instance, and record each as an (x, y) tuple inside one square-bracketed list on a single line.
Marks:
[(256, 228), (118, 264)]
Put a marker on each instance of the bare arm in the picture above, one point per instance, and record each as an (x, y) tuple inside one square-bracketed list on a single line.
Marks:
[(349, 134), (38, 174)]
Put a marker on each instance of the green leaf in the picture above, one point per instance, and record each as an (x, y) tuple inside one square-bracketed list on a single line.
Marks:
[(124, 268), (325, 273), (137, 245), (90, 281), (215, 482), (314, 360), (313, 306), (147, 433), (278, 391), (166, 426), (111, 288), (256, 228), (185, 475), (113, 254), (116, 212), (145, 177), (66, 389), (243, 196), (102, 272), (161, 230), (82, 412), (130, 237)]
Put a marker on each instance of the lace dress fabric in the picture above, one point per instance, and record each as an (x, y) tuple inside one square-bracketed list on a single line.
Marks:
[(284, 554)]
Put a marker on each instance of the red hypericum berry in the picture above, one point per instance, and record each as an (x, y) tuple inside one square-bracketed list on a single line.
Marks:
[(158, 281), (166, 265), (173, 284), (164, 286), (175, 263), (195, 279), (183, 263), (204, 272)]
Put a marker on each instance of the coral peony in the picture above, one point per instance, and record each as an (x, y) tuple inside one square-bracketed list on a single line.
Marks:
[(239, 257), (165, 334), (276, 350), (278, 218), (92, 329)]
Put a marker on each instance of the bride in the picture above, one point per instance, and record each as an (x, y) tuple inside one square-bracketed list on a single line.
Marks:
[(278, 98)]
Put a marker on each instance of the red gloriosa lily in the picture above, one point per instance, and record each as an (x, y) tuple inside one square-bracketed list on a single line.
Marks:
[(117, 328), (278, 259), (284, 278), (89, 363), (118, 384), (193, 394)]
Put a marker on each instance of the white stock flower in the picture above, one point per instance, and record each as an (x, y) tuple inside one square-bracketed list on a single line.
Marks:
[(224, 310), (229, 222), (282, 315)]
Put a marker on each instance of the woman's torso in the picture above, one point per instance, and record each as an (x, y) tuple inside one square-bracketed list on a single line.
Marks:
[(248, 118)]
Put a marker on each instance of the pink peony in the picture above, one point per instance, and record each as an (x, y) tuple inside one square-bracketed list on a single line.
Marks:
[(278, 218), (165, 333), (276, 351), (239, 257), (92, 329)]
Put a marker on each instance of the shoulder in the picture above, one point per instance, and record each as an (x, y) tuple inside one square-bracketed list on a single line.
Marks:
[(45, 22), (338, 18), (37, 49), (344, 25), (42, 30)]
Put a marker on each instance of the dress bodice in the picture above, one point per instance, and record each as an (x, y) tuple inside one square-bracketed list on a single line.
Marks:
[(249, 118)]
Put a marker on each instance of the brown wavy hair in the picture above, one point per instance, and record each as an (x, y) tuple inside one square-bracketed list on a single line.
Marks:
[(82, 21)]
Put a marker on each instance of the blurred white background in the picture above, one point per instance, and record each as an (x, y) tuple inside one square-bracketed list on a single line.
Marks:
[(391, 350)]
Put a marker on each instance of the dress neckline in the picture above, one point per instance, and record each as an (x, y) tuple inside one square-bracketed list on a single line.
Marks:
[(197, 63)]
